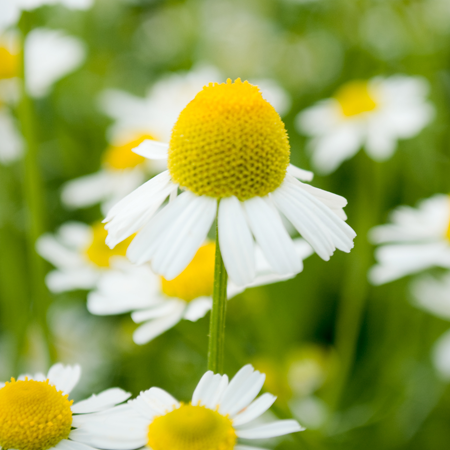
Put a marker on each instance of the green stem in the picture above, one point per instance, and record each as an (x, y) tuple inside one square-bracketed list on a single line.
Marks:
[(34, 198), (218, 312)]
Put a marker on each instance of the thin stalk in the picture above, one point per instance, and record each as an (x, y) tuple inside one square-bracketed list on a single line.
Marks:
[(34, 198), (218, 312)]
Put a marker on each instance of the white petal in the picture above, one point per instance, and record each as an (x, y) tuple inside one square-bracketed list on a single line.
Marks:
[(242, 390), (173, 237), (64, 378), (104, 400), (59, 255), (270, 430), (209, 390), (137, 208), (301, 174), (198, 308), (164, 308), (87, 190), (11, 143), (271, 236), (150, 330), (49, 55), (257, 408), (236, 241), (152, 149), (159, 400)]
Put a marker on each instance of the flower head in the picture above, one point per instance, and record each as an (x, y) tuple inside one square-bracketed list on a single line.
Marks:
[(371, 113), (228, 145), (215, 419), (36, 413), (417, 239), (79, 253)]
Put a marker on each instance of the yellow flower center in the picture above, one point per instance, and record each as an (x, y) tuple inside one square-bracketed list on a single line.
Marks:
[(98, 252), (121, 156), (191, 428), (196, 280), (355, 98), (9, 64), (229, 141), (33, 415)]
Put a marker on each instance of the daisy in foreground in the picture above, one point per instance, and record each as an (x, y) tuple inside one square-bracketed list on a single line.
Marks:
[(229, 154), (373, 114), (216, 418), (160, 304), (36, 413), (417, 239)]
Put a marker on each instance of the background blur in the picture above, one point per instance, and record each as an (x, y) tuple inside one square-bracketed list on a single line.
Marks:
[(350, 361)]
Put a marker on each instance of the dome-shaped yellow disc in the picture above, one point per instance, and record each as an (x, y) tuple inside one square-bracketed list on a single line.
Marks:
[(33, 415), (229, 141)]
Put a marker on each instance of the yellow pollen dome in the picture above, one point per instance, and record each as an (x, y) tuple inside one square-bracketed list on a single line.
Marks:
[(33, 415), (229, 141), (9, 64), (197, 280), (121, 156), (355, 98), (191, 428), (98, 252)]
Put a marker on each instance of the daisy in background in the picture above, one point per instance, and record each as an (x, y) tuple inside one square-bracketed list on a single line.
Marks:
[(36, 414), (218, 417), (433, 295), (228, 153), (80, 254), (11, 10), (49, 55), (417, 239), (373, 114), (159, 303), (137, 119)]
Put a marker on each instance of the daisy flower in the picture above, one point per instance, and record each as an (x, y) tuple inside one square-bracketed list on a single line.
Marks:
[(137, 119), (160, 304), (36, 413), (229, 154), (417, 239), (217, 418), (80, 254), (373, 114), (10, 10), (433, 295)]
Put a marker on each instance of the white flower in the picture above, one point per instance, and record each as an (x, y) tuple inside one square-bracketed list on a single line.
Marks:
[(372, 114), (10, 10), (35, 412), (433, 295), (218, 416), (160, 304), (418, 239), (220, 151), (79, 253)]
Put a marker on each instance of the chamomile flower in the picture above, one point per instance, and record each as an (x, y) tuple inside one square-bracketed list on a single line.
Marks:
[(228, 153), (159, 304), (80, 254), (417, 239), (10, 10), (373, 114), (217, 418), (36, 413), (137, 119)]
